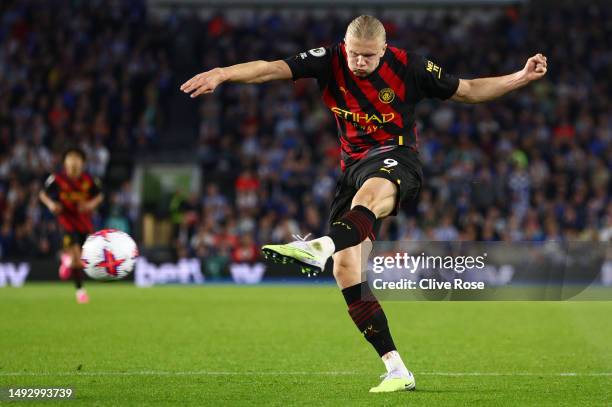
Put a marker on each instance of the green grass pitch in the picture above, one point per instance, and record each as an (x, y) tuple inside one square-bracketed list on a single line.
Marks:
[(295, 345)]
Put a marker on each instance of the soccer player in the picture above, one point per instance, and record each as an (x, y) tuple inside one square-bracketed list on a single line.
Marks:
[(372, 90), (72, 195)]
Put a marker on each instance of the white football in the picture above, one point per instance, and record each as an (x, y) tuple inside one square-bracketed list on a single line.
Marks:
[(109, 254)]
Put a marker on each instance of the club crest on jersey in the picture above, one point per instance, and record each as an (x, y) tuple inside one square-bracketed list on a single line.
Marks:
[(386, 95)]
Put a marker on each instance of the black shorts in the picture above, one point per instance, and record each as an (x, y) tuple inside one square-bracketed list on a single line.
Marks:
[(72, 238), (401, 166)]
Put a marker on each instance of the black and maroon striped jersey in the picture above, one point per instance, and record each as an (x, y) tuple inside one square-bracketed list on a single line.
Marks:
[(71, 192), (374, 113)]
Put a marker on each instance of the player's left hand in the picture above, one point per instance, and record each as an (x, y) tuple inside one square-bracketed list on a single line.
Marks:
[(535, 68)]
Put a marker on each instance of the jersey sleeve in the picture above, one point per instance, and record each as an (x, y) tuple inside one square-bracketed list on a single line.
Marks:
[(315, 63), (51, 188), (432, 81)]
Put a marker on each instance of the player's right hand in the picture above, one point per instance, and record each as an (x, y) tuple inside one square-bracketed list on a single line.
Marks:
[(55, 207), (205, 82)]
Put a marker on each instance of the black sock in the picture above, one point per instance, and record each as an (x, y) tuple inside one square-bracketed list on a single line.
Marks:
[(352, 228), (369, 317), (77, 276)]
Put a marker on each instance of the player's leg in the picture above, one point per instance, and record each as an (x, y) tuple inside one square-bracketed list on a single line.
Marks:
[(375, 199), (74, 251), (77, 271), (369, 317), (65, 271)]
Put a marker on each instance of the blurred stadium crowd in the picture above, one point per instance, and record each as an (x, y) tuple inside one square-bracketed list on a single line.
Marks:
[(534, 165)]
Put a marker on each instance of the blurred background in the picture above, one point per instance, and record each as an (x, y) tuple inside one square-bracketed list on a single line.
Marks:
[(214, 178)]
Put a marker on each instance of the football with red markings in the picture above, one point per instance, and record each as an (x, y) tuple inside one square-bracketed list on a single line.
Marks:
[(109, 254)]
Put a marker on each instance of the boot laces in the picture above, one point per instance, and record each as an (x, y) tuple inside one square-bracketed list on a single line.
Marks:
[(300, 238)]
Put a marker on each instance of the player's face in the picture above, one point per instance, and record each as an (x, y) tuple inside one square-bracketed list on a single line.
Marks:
[(363, 56), (73, 164)]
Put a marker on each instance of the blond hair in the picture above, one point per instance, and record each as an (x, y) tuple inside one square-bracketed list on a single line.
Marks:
[(366, 27)]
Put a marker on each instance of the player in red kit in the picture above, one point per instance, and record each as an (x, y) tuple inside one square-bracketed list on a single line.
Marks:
[(72, 195), (372, 90)]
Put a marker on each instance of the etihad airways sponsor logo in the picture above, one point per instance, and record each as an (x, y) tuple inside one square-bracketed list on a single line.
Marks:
[(363, 118)]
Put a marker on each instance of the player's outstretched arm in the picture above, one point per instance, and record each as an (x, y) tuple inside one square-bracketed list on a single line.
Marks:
[(484, 89), (249, 72)]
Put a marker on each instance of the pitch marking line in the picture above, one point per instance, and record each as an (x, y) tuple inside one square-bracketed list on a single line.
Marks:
[(297, 373)]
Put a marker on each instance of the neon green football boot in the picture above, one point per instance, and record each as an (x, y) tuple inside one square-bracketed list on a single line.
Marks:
[(306, 254), (395, 382)]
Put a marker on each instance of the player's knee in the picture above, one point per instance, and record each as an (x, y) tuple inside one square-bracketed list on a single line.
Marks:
[(346, 276), (378, 196), (367, 199), (380, 206), (346, 267), (341, 268)]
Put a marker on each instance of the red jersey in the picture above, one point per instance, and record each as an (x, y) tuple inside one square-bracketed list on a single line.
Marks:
[(375, 113), (70, 192)]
